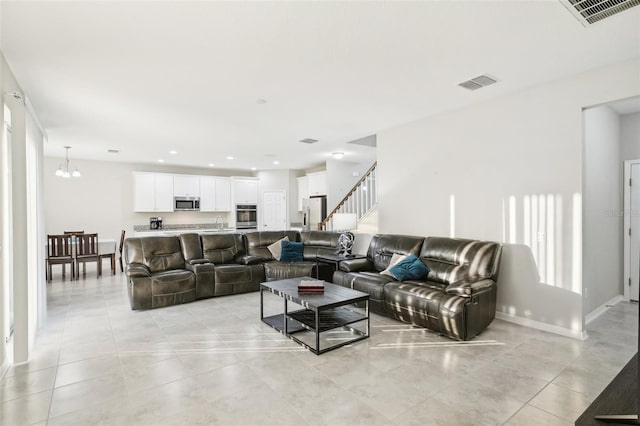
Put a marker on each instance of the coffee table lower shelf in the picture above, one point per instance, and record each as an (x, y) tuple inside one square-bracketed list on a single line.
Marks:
[(337, 320)]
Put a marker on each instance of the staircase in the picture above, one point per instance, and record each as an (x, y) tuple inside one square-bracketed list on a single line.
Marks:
[(361, 200)]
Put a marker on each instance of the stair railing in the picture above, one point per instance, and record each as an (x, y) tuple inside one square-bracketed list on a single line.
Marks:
[(359, 200)]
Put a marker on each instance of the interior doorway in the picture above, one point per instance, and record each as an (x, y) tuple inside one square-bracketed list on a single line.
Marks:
[(632, 229), (274, 210)]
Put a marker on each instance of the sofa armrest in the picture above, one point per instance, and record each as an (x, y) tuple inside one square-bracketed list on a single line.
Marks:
[(469, 288), (356, 265), (137, 270), (249, 259)]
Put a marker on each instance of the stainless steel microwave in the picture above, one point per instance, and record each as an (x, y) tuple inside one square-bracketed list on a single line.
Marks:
[(186, 204)]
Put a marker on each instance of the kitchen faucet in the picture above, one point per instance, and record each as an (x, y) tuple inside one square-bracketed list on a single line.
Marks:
[(219, 222)]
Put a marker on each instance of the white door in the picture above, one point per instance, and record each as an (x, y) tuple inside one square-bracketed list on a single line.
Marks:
[(274, 211), (634, 230)]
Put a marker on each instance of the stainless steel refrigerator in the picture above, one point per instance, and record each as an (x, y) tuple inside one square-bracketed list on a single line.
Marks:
[(314, 211)]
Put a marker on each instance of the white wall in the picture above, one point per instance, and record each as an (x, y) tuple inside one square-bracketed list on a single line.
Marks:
[(630, 136), (102, 199), (513, 166), (602, 200), (341, 176)]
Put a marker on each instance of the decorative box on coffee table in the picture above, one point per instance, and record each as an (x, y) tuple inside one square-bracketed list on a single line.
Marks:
[(320, 322)]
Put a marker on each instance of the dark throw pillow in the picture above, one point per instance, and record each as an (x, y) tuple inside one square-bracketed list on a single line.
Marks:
[(410, 268), (291, 252)]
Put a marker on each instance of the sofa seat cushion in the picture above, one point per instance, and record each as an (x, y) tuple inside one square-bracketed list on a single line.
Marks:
[(172, 287), (235, 279), (414, 302), (371, 283), (282, 270)]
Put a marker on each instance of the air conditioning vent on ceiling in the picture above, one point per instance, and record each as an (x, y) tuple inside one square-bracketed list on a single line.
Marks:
[(590, 11), (309, 140), (477, 82)]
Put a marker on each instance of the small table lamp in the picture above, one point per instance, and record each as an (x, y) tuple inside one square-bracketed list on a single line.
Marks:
[(345, 222)]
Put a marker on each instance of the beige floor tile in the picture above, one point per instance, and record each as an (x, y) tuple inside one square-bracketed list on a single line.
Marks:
[(25, 384), (529, 415), (26, 410), (560, 401)]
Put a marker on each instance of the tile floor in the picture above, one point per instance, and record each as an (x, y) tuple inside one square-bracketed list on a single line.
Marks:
[(214, 362)]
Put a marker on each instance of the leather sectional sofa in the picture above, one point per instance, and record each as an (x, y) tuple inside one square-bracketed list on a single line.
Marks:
[(164, 271), (457, 298)]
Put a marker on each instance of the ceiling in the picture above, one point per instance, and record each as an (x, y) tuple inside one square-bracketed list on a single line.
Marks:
[(250, 79)]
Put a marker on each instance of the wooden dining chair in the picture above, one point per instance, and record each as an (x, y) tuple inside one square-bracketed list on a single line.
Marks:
[(87, 251), (74, 232), (120, 249), (112, 257), (59, 252)]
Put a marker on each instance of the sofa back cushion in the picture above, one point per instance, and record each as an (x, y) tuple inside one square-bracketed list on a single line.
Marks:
[(383, 247), (222, 248), (191, 246), (319, 242), (455, 259), (258, 242), (162, 253)]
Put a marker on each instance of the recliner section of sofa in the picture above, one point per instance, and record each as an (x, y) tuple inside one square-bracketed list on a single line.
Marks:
[(164, 271), (156, 273), (458, 296)]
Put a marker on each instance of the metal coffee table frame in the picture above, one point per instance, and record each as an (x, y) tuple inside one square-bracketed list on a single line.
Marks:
[(319, 313)]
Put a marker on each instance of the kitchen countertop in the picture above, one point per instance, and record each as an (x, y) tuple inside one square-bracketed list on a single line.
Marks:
[(186, 227)]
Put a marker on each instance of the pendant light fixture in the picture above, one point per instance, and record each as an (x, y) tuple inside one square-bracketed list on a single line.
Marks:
[(63, 169)]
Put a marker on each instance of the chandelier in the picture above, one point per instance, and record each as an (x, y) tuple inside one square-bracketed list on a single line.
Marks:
[(63, 169)]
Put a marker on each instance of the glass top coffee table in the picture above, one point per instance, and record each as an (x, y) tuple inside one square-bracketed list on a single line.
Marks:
[(319, 322)]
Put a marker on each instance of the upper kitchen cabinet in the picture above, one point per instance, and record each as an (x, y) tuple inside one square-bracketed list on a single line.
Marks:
[(245, 190), (303, 190), (153, 192), (317, 184), (186, 186), (215, 194)]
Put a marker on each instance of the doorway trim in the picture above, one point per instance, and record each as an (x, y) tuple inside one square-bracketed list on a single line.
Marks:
[(626, 213)]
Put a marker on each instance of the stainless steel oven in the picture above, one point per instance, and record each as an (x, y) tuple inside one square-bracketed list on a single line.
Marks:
[(246, 216)]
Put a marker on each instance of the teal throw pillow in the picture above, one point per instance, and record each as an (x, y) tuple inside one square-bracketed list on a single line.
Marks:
[(410, 268), (291, 252)]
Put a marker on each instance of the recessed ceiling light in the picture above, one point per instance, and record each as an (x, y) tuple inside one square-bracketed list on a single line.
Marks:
[(173, 152), (161, 161), (211, 165), (276, 162), (254, 169), (230, 157), (337, 155)]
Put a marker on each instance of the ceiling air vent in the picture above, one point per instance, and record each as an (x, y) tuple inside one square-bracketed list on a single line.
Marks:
[(309, 140), (590, 11), (478, 82)]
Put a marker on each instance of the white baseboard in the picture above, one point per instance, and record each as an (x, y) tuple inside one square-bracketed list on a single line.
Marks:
[(602, 309), (575, 334)]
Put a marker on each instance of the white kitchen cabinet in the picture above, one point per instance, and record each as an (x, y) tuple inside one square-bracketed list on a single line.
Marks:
[(317, 183), (245, 191), (153, 192), (215, 194), (207, 193), (303, 190), (223, 194), (186, 185)]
